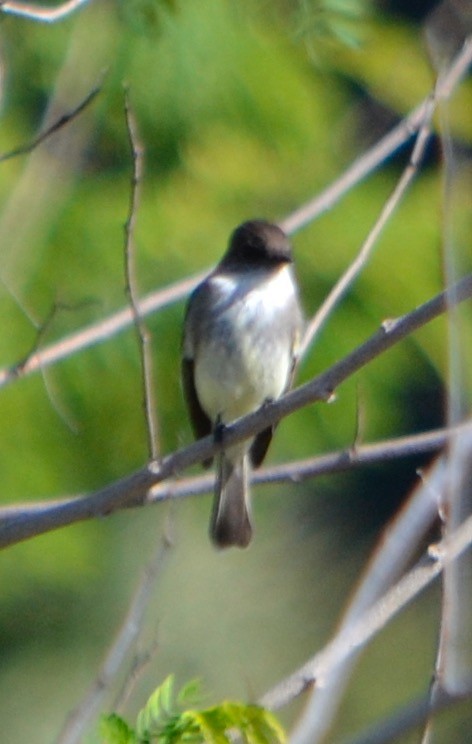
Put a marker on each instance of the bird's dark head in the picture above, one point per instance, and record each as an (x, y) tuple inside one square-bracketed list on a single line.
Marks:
[(257, 243)]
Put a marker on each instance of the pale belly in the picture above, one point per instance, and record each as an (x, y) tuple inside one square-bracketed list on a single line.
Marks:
[(247, 362)]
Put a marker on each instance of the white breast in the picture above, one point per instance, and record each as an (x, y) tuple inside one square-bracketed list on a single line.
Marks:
[(246, 355)]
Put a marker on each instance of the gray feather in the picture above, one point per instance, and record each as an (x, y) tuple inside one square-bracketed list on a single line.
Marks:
[(231, 521)]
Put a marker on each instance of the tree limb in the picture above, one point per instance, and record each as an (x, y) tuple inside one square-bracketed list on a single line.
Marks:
[(133, 489), (367, 163), (43, 13)]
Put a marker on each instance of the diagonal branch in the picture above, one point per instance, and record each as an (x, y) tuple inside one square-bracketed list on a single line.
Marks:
[(97, 332), (43, 13), (373, 611), (80, 718), (376, 155), (367, 163), (347, 278), (62, 121), (367, 624), (133, 489), (409, 717)]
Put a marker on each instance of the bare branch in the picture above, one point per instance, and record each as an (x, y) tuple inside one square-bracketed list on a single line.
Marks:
[(78, 721), (55, 126), (453, 667), (295, 472), (364, 625), (107, 328), (396, 547), (134, 488), (42, 13), (407, 718), (346, 280), (382, 150), (394, 551), (315, 467), (144, 338), (96, 332)]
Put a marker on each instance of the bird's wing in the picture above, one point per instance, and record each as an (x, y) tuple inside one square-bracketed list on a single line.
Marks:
[(201, 424)]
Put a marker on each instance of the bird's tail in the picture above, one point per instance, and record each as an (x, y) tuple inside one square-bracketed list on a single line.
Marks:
[(231, 521)]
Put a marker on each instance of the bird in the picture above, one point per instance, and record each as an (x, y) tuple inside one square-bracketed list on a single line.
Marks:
[(241, 338)]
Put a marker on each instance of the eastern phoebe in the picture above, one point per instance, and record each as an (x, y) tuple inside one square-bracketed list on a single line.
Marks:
[(241, 334)]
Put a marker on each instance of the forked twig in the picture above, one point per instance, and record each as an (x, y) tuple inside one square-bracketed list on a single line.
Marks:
[(72, 509)]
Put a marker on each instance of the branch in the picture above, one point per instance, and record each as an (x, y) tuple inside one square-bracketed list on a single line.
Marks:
[(395, 549), (397, 544), (355, 635), (40, 12), (380, 152), (55, 126), (77, 722), (105, 329), (295, 472), (131, 283), (134, 488), (302, 470), (346, 280), (408, 717), (97, 332)]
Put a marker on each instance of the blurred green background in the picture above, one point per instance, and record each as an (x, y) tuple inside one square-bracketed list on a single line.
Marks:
[(245, 109)]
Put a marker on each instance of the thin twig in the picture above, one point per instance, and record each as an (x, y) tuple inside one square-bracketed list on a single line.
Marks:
[(453, 666), (41, 330), (369, 161), (58, 124), (43, 13), (96, 332), (78, 721), (353, 270), (135, 487), (142, 332), (138, 665)]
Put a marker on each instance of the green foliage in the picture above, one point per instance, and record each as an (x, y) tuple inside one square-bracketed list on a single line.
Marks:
[(144, 16), (331, 21), (236, 122), (163, 720), (114, 730)]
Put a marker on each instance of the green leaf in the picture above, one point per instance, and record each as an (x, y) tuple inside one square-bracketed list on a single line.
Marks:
[(204, 726), (158, 709), (267, 728), (189, 693), (255, 724), (114, 730), (161, 722)]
